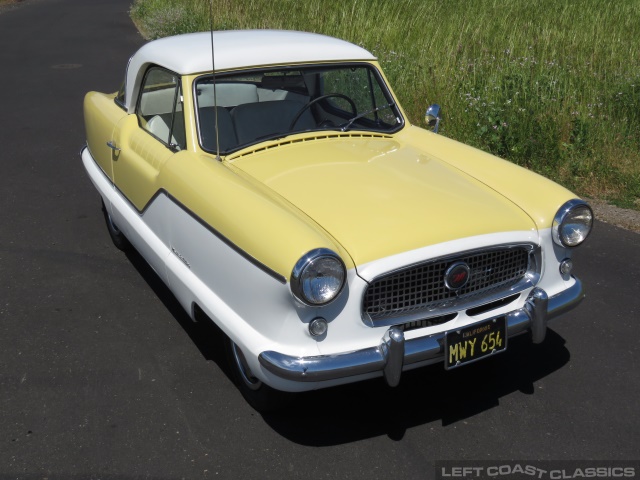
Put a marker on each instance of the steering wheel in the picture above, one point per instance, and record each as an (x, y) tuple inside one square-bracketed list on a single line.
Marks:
[(317, 99)]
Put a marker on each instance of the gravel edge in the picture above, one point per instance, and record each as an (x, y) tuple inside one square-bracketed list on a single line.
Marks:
[(620, 217)]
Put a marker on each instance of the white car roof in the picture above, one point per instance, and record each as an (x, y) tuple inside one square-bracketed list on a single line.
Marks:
[(191, 53)]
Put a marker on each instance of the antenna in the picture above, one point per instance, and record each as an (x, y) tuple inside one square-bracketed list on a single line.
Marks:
[(213, 74)]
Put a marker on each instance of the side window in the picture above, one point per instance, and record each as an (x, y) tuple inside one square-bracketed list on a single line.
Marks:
[(160, 107)]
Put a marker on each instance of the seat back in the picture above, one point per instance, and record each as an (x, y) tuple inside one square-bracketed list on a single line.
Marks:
[(159, 125), (226, 131), (227, 94), (255, 120)]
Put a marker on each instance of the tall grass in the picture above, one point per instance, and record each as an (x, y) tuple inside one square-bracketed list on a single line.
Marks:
[(551, 85)]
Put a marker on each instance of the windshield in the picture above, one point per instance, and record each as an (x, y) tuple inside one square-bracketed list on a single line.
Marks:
[(258, 105)]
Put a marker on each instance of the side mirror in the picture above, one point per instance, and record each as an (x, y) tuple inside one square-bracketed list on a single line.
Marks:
[(432, 117)]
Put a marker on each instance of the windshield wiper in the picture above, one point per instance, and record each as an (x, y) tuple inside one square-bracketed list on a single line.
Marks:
[(364, 114)]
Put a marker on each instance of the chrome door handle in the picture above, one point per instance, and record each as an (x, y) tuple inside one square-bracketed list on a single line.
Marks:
[(112, 145)]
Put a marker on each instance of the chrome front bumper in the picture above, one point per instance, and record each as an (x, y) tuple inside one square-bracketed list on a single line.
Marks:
[(394, 352)]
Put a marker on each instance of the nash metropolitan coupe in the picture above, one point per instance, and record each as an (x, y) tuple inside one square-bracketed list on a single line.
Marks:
[(274, 183)]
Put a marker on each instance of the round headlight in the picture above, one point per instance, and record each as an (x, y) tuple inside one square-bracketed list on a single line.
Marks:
[(572, 224), (318, 277)]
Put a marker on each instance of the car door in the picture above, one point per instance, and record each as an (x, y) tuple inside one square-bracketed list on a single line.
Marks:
[(150, 137), (145, 141), (102, 114)]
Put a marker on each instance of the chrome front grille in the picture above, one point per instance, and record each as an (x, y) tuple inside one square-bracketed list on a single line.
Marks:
[(419, 291)]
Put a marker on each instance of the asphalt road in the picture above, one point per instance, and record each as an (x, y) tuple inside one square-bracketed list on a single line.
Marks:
[(102, 376)]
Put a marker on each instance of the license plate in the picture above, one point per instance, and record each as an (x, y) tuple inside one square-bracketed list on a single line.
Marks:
[(474, 342)]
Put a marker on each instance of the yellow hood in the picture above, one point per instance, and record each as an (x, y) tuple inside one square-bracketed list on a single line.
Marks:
[(378, 198)]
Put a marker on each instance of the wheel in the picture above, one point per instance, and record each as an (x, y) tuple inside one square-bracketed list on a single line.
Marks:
[(117, 237), (259, 395), (317, 99)]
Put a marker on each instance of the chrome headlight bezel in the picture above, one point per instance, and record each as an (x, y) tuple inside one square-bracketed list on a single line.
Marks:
[(315, 258), (572, 210)]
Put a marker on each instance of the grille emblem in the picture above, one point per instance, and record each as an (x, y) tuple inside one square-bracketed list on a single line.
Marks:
[(457, 276)]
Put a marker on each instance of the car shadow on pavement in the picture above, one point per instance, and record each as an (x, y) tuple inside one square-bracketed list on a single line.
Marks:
[(370, 409), (204, 334), (425, 395)]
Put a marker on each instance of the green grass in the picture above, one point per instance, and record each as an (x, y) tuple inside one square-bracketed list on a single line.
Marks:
[(551, 85)]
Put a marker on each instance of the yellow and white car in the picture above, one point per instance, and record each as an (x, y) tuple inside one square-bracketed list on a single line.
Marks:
[(278, 189)]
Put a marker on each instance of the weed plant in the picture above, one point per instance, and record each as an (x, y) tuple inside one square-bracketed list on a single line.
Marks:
[(552, 85)]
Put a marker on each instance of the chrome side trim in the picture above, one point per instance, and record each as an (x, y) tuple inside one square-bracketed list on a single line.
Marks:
[(394, 352), (247, 256)]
